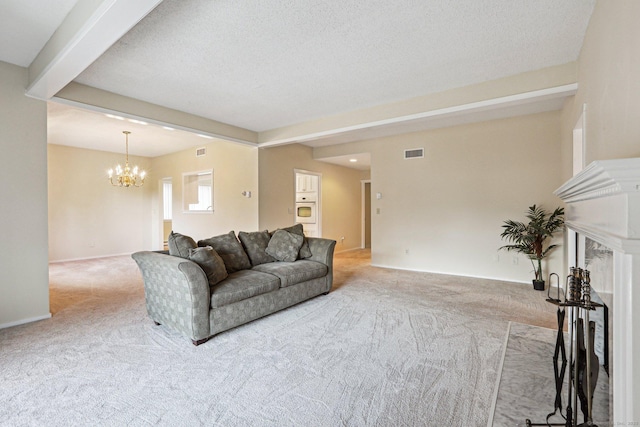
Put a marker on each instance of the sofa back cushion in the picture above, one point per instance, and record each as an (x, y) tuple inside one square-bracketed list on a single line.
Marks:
[(210, 262), (255, 244), (180, 244), (230, 250)]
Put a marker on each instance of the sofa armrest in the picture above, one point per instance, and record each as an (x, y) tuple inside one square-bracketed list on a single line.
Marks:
[(322, 251), (176, 293)]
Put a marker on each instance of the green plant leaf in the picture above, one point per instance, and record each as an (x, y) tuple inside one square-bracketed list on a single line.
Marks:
[(530, 238)]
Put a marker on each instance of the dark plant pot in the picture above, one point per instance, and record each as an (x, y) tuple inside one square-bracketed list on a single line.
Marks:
[(538, 285)]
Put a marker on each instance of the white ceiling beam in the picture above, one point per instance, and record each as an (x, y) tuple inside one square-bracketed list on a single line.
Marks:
[(94, 99), (457, 110), (87, 32)]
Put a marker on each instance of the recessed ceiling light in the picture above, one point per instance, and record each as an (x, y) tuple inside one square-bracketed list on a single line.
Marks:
[(353, 160), (139, 122), (204, 136), (111, 116)]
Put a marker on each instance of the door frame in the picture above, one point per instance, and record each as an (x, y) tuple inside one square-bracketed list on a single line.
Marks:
[(318, 202), (363, 186)]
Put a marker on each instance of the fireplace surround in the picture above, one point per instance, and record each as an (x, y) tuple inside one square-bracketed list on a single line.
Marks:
[(603, 206)]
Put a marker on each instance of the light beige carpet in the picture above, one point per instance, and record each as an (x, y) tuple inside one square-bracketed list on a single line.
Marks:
[(384, 348), (527, 385)]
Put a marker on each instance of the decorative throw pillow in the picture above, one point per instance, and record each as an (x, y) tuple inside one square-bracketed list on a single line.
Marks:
[(210, 262), (230, 250), (284, 246), (180, 244), (305, 252), (254, 245)]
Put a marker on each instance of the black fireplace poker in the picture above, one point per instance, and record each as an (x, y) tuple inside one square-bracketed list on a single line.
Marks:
[(583, 372)]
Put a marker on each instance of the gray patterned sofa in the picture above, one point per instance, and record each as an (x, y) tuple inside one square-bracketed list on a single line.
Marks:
[(200, 291)]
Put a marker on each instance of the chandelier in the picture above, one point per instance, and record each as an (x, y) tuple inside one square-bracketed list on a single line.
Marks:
[(126, 177)]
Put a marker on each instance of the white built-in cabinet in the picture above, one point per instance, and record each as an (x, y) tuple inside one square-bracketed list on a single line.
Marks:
[(306, 183)]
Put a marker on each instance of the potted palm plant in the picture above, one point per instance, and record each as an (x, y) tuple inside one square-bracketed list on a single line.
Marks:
[(530, 238)]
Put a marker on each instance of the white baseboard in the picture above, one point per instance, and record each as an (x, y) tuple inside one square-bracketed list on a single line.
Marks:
[(23, 321), (347, 250), (87, 258), (501, 279)]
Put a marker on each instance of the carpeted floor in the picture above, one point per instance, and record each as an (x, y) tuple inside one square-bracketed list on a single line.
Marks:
[(384, 348), (527, 384)]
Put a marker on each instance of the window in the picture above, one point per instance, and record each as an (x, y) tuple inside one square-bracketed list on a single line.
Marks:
[(167, 199), (204, 199), (197, 191)]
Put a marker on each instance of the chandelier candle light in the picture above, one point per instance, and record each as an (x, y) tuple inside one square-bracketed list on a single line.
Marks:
[(126, 177)]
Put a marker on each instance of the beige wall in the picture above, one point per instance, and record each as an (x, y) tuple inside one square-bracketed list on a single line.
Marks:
[(235, 169), (609, 85), (444, 213), (341, 198), (24, 275), (445, 219), (88, 217)]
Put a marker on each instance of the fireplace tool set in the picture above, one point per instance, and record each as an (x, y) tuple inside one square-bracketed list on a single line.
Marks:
[(583, 368)]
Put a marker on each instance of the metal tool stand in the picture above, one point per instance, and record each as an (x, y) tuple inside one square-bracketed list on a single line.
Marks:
[(577, 299)]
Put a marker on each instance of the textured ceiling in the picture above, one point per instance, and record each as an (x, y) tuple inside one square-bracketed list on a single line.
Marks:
[(267, 64), (26, 25)]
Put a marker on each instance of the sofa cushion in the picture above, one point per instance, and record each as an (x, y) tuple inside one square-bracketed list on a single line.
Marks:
[(230, 250), (291, 273), (255, 244), (241, 285), (210, 262), (305, 252), (180, 244), (284, 246)]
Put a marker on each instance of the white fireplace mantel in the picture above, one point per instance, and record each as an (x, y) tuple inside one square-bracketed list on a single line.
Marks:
[(603, 203)]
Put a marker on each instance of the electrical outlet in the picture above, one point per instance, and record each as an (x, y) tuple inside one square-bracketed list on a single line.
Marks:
[(342, 240), (378, 211), (496, 258), (406, 251), (514, 260)]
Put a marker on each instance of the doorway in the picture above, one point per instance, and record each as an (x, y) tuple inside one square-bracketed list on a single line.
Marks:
[(366, 213), (167, 210)]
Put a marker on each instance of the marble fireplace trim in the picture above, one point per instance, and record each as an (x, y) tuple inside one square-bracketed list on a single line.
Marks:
[(603, 203)]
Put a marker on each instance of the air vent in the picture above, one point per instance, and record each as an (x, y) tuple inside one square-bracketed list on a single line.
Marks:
[(414, 153), (201, 152)]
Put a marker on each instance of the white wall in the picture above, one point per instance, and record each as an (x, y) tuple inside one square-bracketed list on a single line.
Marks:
[(235, 169), (608, 71), (88, 217), (341, 198), (444, 213), (24, 274)]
